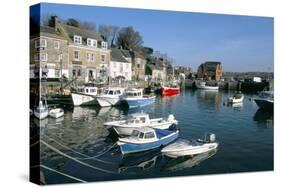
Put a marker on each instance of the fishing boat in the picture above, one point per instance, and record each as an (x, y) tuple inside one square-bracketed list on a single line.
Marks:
[(146, 138), (138, 120), (183, 147), (170, 89), (56, 112), (135, 98), (41, 111), (237, 98), (85, 95), (110, 97), (265, 100), (202, 85)]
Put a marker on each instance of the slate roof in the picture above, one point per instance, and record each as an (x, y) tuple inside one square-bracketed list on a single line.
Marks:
[(84, 33), (48, 32), (117, 55)]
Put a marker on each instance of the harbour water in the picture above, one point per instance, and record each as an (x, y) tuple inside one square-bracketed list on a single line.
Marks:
[(78, 144)]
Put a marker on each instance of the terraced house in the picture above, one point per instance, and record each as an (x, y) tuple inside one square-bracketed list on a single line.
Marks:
[(81, 53), (48, 54)]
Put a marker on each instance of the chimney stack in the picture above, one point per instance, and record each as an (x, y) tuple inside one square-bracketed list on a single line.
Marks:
[(55, 22)]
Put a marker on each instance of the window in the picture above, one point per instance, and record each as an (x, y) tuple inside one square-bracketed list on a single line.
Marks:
[(141, 135), (135, 133), (40, 43), (102, 58), (110, 92), (92, 42), (57, 57), (36, 57), (57, 44), (104, 45), (90, 57), (43, 57), (76, 55), (149, 135), (77, 39), (138, 65)]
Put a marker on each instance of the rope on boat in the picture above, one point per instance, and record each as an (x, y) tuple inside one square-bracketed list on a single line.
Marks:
[(85, 156), (31, 145), (76, 160), (61, 173)]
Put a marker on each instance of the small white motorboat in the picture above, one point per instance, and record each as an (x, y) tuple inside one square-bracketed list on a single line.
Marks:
[(137, 120), (56, 112), (110, 97), (41, 111), (85, 95), (237, 98), (183, 147), (202, 85)]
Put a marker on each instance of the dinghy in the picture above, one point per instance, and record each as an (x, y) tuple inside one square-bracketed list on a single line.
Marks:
[(41, 111), (137, 120), (56, 112), (237, 98), (183, 147), (145, 138)]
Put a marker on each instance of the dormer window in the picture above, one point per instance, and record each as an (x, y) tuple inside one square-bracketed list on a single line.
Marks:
[(104, 45), (77, 39), (92, 42)]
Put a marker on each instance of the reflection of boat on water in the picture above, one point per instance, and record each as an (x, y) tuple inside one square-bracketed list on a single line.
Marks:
[(139, 161), (265, 100), (187, 162), (263, 115)]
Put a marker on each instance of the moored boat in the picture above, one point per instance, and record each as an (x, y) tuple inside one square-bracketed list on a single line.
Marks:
[(56, 112), (237, 98), (183, 147), (145, 138), (110, 97), (170, 89), (138, 120), (85, 95), (135, 98), (41, 111), (202, 85), (265, 100)]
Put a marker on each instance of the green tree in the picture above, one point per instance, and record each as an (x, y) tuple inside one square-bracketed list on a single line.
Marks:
[(129, 39), (72, 22)]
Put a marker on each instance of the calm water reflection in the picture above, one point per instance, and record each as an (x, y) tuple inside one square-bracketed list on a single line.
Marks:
[(88, 150)]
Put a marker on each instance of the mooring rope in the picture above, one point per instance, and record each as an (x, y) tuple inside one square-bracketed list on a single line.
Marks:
[(76, 160), (31, 145), (85, 156), (61, 173)]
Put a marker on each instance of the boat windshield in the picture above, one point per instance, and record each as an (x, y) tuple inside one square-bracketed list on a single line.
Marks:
[(106, 91), (135, 133)]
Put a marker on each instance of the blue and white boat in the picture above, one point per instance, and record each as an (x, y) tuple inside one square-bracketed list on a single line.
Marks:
[(265, 100), (146, 138), (135, 98)]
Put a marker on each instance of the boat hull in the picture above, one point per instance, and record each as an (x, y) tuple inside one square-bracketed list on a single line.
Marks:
[(264, 104), (208, 87), (55, 114), (128, 148), (139, 102), (106, 101), (41, 115), (170, 91), (127, 130), (80, 99), (195, 150)]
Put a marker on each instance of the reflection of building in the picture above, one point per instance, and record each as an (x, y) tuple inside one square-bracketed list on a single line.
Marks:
[(210, 70), (119, 67)]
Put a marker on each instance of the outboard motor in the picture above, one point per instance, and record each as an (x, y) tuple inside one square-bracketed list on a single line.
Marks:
[(210, 137), (171, 117)]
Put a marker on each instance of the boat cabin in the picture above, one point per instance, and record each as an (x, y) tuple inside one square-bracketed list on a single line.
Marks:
[(144, 133), (114, 91), (88, 90), (134, 93)]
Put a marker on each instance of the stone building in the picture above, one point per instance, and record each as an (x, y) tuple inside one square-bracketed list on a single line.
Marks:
[(48, 54), (210, 70)]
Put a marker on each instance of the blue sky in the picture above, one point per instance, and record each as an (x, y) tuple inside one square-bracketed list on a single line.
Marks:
[(241, 43)]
